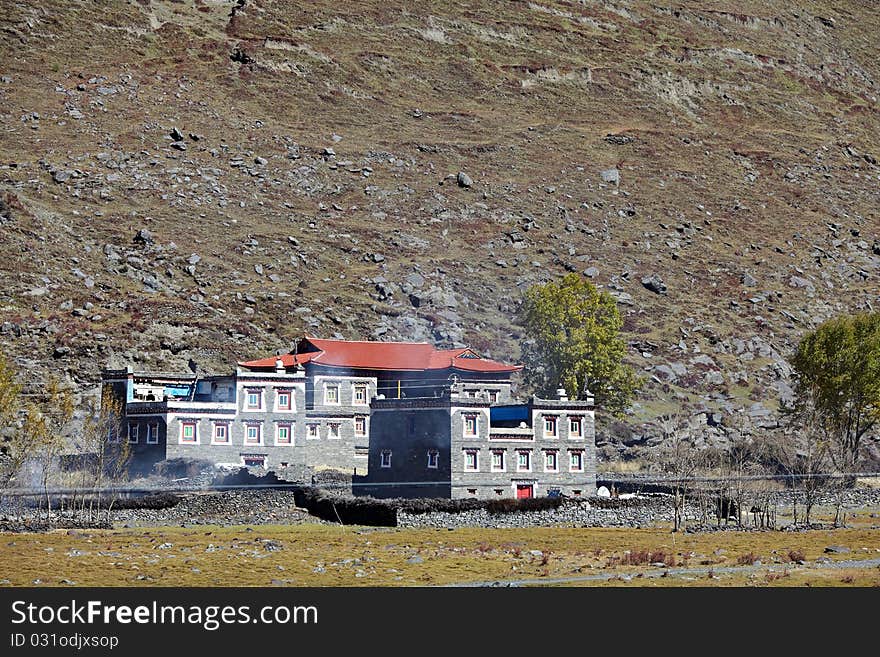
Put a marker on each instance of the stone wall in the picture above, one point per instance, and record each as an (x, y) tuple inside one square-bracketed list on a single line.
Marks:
[(581, 513)]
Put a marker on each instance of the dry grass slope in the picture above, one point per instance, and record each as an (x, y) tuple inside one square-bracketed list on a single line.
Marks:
[(745, 134)]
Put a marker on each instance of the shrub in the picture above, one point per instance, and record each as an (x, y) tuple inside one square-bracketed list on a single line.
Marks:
[(796, 556), (747, 559)]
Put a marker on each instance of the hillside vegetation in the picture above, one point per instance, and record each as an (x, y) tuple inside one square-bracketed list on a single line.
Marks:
[(210, 179)]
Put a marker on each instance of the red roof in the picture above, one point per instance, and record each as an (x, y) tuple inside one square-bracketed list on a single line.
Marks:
[(410, 356)]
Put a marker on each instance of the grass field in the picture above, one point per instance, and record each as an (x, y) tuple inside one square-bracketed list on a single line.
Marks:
[(327, 555)]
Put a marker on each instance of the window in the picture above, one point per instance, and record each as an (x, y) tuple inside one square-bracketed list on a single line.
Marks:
[(472, 491), (252, 434), (132, 433), (253, 400), (254, 461), (153, 433), (498, 464), (499, 491), (360, 426), (188, 432), (471, 460), (312, 431), (385, 460), (576, 462), (493, 396), (333, 430), (551, 461), (470, 425), (577, 492), (360, 394), (331, 394), (574, 427), (221, 434), (523, 461), (433, 458), (284, 400), (283, 434), (550, 426)]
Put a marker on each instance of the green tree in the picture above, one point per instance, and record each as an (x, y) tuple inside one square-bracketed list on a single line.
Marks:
[(837, 383), (572, 338)]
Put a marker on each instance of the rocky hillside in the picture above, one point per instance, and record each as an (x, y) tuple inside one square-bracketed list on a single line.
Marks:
[(209, 179)]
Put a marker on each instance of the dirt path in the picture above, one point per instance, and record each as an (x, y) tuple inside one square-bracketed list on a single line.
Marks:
[(675, 572)]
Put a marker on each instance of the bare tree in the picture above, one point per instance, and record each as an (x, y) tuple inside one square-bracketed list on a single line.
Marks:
[(804, 451), (108, 454), (679, 461)]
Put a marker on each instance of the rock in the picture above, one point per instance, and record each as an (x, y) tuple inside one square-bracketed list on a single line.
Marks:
[(611, 176), (258, 269), (176, 134), (61, 176), (179, 145), (664, 373), (464, 180), (591, 272), (61, 351), (143, 236), (328, 152), (837, 549), (415, 559), (262, 161), (377, 257), (799, 282), (748, 280), (602, 491), (415, 279), (654, 283), (194, 259)]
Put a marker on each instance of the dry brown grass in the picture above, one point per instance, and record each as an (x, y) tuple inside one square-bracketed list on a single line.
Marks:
[(322, 555)]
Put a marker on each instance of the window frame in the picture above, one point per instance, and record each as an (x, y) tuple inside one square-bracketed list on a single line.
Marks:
[(503, 467), (468, 453), (360, 420), (225, 427), (286, 407), (578, 453), (385, 458), (327, 388), (195, 437), (133, 435), (553, 421), (247, 399), (334, 430), (528, 454), (313, 431), (253, 425), (579, 420), (433, 459), (548, 454), (287, 426), (358, 387), (468, 418), (152, 436)]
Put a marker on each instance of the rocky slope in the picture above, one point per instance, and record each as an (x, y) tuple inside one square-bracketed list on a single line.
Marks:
[(210, 179)]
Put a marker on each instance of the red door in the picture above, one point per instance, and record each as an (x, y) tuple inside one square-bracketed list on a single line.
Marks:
[(523, 490)]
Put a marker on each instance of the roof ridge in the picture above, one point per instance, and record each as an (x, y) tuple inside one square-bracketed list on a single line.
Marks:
[(371, 341)]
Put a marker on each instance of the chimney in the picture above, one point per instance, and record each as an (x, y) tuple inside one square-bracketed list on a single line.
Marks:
[(560, 392), (279, 365)]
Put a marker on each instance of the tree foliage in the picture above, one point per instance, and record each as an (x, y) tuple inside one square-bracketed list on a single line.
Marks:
[(837, 370), (572, 338)]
